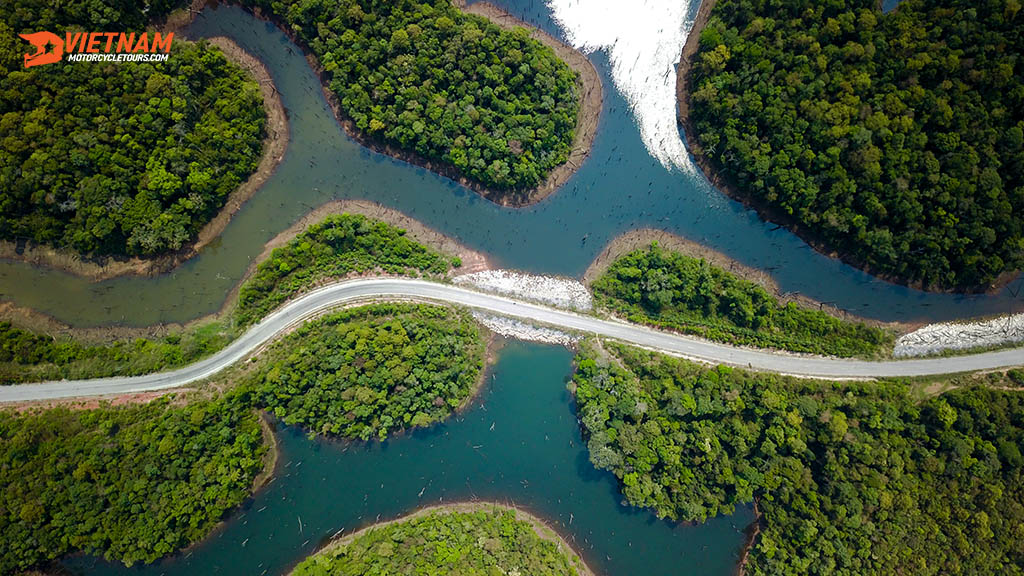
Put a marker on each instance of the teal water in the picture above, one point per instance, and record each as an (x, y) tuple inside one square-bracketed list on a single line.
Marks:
[(619, 188), (518, 443)]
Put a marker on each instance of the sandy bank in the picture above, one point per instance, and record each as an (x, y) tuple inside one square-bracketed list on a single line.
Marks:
[(105, 267), (588, 86), (642, 238), (39, 322), (543, 531)]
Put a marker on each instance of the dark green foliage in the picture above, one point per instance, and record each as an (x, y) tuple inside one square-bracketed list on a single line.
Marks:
[(29, 357), (119, 158), (372, 370), (482, 543), (131, 483), (852, 478), (670, 290), (340, 245), (420, 75), (895, 139)]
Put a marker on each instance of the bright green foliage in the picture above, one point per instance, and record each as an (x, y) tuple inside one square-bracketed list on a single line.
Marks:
[(132, 483), (852, 478), (119, 158), (340, 245), (671, 290), (337, 246), (896, 139), (29, 357), (482, 543), (420, 75), (372, 370)]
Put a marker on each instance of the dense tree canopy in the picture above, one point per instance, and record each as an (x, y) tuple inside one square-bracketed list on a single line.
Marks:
[(137, 482), (373, 370), (114, 158), (480, 543), (895, 139), (131, 483), (339, 245), (672, 290), (428, 79), (852, 478)]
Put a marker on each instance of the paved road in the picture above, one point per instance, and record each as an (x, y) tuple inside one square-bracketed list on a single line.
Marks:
[(399, 288)]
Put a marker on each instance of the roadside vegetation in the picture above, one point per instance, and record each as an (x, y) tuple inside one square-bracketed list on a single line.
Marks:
[(895, 139), (131, 483), (670, 290), (338, 246), (370, 371), (850, 478), (420, 75), (121, 159), (137, 482), (471, 543)]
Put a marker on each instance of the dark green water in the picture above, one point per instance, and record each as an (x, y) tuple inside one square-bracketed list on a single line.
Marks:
[(518, 443), (619, 188)]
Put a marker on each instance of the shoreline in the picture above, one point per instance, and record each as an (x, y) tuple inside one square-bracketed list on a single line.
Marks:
[(591, 101), (766, 211), (99, 268), (589, 88), (642, 238), (42, 323), (541, 528)]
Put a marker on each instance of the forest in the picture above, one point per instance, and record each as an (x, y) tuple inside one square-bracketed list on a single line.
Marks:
[(123, 159), (420, 75), (478, 543), (131, 483), (895, 140), (137, 482), (370, 371), (337, 246), (670, 290), (851, 478)]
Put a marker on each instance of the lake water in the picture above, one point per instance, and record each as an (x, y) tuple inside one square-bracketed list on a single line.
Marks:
[(620, 187), (518, 443)]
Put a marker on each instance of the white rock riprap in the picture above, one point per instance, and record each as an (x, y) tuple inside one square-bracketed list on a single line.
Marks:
[(512, 328), (559, 292), (937, 338)]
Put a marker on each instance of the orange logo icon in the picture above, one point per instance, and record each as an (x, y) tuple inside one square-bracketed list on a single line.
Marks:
[(43, 41)]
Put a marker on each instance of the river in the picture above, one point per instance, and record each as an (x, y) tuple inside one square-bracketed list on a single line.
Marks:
[(620, 187), (518, 443)]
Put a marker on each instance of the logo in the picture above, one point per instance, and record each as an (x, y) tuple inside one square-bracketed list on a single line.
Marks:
[(96, 47), (49, 48)]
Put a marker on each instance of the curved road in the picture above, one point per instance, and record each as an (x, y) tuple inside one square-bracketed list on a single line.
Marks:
[(401, 288)]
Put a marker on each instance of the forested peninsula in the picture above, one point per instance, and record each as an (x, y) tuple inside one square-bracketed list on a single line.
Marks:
[(137, 482), (475, 539), (430, 83), (671, 290), (850, 478), (894, 140), (340, 245), (119, 159)]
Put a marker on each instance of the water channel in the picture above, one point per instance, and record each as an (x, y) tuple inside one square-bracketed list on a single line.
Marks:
[(518, 443), (620, 187)]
